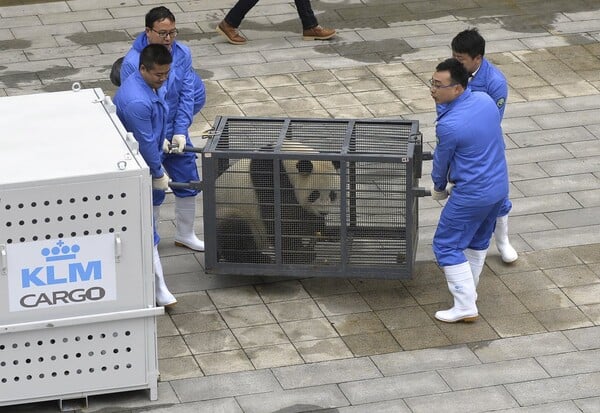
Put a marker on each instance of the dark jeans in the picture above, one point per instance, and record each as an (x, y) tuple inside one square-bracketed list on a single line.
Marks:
[(242, 7)]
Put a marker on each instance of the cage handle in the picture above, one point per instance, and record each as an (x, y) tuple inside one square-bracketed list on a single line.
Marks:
[(186, 148), (421, 192), (427, 156), (197, 185)]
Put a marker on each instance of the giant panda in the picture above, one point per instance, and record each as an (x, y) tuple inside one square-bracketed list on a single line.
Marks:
[(245, 209)]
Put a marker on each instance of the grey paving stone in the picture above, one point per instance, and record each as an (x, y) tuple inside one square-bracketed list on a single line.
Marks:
[(558, 184), (551, 136), (294, 401), (474, 400), (390, 406), (576, 217), (228, 405), (491, 374), (556, 389), (532, 108), (225, 385), (542, 204), (571, 166), (571, 363), (395, 387), (129, 400), (74, 16), (525, 172), (34, 9), (567, 119), (589, 405), (563, 237), (270, 68), (424, 360), (522, 347), (585, 338), (558, 407), (536, 154), (327, 372)]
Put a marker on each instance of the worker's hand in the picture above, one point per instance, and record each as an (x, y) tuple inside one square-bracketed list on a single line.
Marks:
[(438, 195), (166, 148), (179, 141), (161, 184)]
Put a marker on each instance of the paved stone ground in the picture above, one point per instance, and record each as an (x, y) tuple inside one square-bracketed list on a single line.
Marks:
[(257, 344)]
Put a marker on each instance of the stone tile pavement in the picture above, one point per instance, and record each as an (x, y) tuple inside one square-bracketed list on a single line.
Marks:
[(260, 344)]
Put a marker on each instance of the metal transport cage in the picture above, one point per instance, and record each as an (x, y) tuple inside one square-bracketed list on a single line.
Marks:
[(77, 309), (312, 197)]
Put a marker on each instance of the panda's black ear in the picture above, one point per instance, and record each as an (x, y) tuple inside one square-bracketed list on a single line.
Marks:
[(336, 164), (304, 166)]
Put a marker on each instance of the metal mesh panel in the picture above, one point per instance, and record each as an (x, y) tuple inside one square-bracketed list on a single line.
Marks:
[(257, 220)]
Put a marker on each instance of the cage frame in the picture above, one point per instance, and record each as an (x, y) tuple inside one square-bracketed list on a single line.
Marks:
[(215, 159)]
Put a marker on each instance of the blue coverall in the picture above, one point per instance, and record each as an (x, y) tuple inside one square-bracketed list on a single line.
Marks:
[(490, 80), (185, 96), (470, 153), (144, 113)]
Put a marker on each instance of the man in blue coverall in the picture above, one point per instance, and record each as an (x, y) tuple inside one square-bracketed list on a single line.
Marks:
[(142, 109), (185, 96), (469, 153), (468, 47)]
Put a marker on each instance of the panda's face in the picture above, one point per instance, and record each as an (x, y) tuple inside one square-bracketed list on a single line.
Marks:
[(316, 184)]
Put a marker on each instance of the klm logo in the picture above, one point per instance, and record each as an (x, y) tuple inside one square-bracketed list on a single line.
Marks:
[(62, 268)]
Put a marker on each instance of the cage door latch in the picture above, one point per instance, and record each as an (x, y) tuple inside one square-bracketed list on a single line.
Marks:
[(118, 248), (3, 260)]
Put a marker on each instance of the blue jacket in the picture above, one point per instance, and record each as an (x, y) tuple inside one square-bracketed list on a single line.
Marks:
[(490, 80), (182, 85), (144, 113), (470, 150)]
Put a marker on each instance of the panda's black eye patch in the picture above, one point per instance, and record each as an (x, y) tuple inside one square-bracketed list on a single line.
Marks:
[(314, 195), (332, 196), (304, 167)]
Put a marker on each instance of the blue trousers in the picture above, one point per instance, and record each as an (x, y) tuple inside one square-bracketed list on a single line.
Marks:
[(461, 227), (242, 7), (505, 208)]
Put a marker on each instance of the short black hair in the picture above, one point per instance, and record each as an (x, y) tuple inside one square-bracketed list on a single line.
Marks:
[(155, 54), (470, 42), (458, 73), (159, 13)]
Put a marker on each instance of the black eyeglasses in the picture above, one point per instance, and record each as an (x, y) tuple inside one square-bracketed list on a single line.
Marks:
[(434, 85), (163, 35)]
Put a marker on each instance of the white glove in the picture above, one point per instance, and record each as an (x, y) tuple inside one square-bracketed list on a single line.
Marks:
[(450, 187), (438, 195), (165, 147), (178, 140), (161, 184)]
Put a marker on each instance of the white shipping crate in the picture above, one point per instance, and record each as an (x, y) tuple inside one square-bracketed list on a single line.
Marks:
[(77, 307)]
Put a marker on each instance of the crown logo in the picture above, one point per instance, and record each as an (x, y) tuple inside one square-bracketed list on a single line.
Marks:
[(60, 252)]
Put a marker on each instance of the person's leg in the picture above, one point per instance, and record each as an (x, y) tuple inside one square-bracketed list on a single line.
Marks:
[(182, 168), (477, 250), (507, 252), (237, 13), (311, 30), (228, 27), (306, 14)]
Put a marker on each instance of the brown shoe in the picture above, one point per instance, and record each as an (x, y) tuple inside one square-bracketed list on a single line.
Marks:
[(318, 33), (231, 33)]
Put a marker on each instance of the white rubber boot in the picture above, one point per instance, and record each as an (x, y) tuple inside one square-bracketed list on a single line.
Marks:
[(185, 212), (462, 287), (164, 297), (506, 250), (476, 260)]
